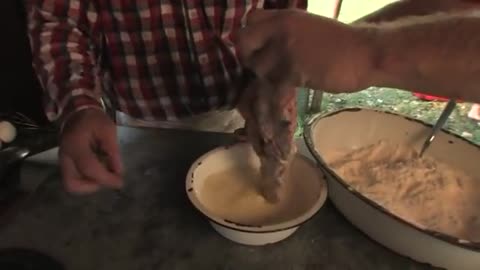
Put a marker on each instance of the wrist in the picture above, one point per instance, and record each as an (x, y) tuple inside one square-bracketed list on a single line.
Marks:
[(77, 104), (71, 116)]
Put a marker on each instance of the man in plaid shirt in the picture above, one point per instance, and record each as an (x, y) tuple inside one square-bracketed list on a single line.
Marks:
[(170, 60), (167, 63)]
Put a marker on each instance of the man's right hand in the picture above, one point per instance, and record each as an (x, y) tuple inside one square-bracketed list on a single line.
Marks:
[(89, 153)]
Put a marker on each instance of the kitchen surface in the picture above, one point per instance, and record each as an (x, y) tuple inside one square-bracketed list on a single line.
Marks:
[(150, 224)]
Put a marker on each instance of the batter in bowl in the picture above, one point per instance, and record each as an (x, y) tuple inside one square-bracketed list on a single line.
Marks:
[(234, 194), (421, 190)]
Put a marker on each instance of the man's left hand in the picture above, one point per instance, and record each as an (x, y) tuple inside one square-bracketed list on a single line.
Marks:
[(292, 48)]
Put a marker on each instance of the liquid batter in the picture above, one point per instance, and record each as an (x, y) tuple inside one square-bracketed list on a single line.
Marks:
[(234, 195)]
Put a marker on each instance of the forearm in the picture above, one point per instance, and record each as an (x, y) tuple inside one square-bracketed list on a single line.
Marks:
[(405, 8), (62, 57), (439, 55)]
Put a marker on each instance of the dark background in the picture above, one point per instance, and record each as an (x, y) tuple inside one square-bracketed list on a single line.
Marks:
[(19, 87)]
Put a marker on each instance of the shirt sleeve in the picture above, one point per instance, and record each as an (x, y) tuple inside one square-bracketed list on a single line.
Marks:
[(281, 4), (63, 58)]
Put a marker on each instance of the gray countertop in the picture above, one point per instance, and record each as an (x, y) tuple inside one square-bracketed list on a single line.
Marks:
[(151, 224)]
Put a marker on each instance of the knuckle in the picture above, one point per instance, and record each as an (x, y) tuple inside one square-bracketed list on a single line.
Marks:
[(89, 171), (287, 20), (69, 185)]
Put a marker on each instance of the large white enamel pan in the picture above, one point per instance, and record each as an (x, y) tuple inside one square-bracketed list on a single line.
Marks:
[(353, 128)]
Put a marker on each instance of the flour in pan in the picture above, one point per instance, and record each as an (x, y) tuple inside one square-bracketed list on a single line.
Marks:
[(421, 190)]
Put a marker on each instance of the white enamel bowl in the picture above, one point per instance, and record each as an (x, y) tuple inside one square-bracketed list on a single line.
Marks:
[(242, 155), (352, 128)]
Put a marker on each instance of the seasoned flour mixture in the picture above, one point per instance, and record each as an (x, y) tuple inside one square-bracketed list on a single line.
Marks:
[(234, 194), (423, 191)]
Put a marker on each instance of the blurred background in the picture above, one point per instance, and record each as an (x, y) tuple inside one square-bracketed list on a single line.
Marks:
[(20, 91)]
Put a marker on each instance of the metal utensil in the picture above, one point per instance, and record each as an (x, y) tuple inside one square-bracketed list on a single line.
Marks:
[(439, 124), (10, 160), (11, 155)]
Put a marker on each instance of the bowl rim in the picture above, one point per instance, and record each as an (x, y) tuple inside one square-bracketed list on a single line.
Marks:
[(308, 138), (246, 228)]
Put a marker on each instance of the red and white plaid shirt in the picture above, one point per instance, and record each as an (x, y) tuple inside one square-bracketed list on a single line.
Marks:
[(154, 59)]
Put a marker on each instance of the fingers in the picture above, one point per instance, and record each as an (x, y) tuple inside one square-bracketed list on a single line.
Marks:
[(89, 154), (264, 61), (109, 144), (83, 170), (263, 49), (74, 182), (253, 38), (89, 165)]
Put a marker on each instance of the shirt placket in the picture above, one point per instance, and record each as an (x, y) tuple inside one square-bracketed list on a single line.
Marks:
[(199, 53)]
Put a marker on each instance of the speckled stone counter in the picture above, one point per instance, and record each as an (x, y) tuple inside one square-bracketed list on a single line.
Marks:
[(151, 224)]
